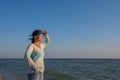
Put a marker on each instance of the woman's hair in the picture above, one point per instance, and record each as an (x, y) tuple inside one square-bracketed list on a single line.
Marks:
[(35, 33), (32, 40)]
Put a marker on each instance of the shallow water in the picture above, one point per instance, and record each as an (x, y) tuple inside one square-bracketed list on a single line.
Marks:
[(64, 69)]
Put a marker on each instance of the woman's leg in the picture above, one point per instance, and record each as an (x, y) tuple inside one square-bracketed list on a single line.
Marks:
[(42, 75), (38, 76), (30, 76)]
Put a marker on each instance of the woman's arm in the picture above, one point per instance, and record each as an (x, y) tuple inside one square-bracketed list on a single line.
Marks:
[(47, 39), (28, 54)]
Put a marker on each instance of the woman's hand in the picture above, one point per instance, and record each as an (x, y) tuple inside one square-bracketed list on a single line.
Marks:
[(44, 32), (37, 68)]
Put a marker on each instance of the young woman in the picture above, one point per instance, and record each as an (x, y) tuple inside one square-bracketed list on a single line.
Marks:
[(34, 54)]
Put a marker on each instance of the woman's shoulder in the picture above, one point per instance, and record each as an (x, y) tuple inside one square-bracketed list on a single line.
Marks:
[(30, 44)]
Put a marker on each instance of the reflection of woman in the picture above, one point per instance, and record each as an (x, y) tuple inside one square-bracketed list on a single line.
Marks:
[(35, 54)]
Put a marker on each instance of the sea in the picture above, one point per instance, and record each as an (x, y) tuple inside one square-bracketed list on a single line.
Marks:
[(64, 69)]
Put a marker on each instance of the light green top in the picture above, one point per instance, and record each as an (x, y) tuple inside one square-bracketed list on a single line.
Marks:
[(34, 52)]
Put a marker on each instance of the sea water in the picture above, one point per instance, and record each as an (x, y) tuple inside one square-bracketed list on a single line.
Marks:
[(64, 69)]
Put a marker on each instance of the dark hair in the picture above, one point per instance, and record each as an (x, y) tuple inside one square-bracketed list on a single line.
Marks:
[(32, 40), (35, 33)]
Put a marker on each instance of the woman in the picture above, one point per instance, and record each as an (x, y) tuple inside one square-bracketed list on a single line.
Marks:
[(34, 54)]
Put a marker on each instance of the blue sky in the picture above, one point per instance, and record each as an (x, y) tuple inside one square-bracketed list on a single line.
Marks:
[(77, 28)]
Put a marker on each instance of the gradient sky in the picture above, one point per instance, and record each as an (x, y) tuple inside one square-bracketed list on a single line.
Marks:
[(77, 28)]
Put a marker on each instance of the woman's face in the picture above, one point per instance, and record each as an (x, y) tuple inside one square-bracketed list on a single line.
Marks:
[(39, 38)]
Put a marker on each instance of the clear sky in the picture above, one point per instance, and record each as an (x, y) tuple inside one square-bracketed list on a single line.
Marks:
[(77, 28)]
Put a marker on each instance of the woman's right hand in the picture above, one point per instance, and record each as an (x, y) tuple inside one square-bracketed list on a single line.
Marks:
[(36, 68)]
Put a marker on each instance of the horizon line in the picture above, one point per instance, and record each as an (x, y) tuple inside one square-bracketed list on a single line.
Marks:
[(65, 58)]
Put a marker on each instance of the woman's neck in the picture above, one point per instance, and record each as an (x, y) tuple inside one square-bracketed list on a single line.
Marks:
[(36, 42)]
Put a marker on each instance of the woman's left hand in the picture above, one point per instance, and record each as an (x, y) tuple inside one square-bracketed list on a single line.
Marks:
[(44, 32)]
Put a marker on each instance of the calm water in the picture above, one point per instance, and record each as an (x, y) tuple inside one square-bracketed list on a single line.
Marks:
[(64, 69)]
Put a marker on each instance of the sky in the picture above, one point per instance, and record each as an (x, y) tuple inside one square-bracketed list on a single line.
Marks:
[(77, 28)]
